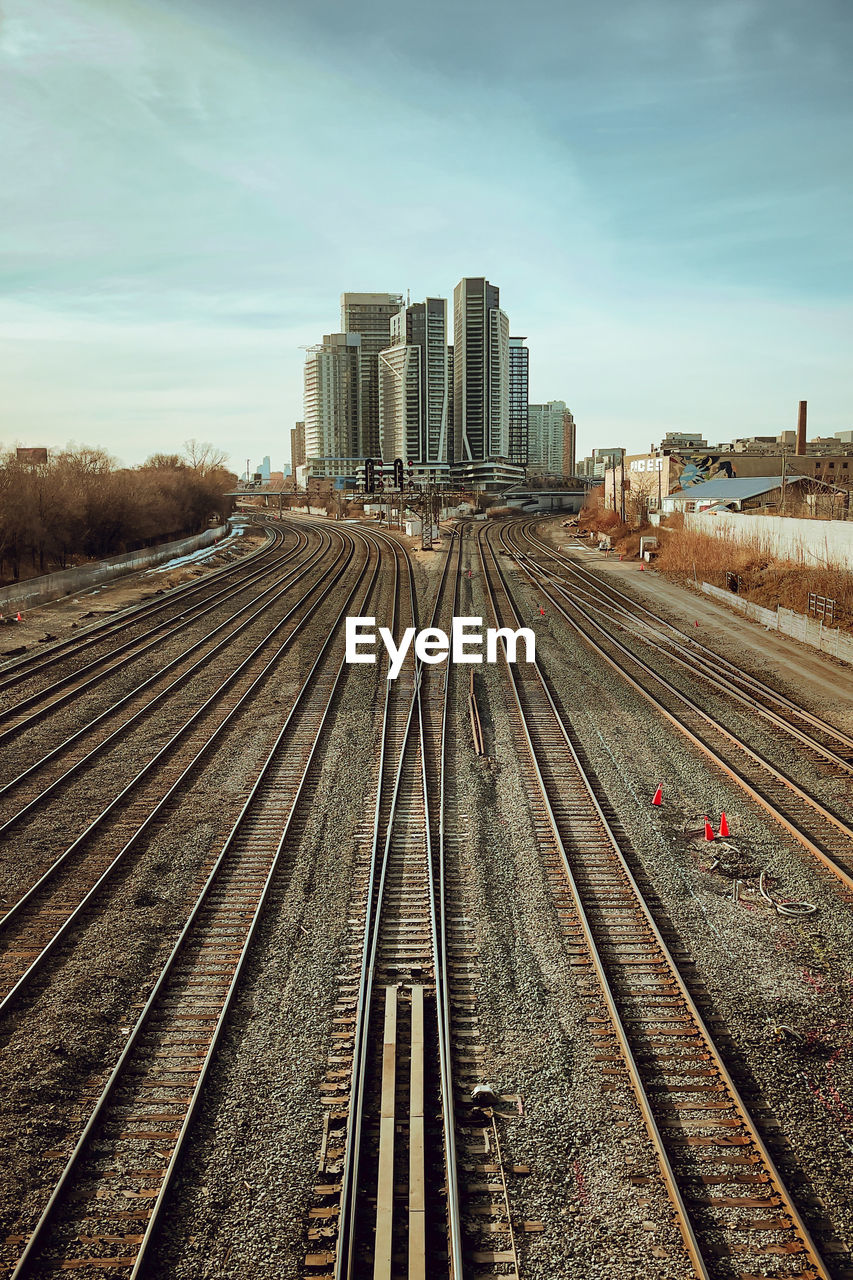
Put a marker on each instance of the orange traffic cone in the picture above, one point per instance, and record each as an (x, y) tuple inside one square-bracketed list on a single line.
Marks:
[(642, 566), (709, 830), (724, 826), (657, 798), (541, 612), (19, 618), (696, 624)]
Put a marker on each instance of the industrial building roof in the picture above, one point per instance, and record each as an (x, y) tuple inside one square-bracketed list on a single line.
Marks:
[(724, 489)]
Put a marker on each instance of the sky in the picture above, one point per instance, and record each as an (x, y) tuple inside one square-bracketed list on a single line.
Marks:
[(661, 190)]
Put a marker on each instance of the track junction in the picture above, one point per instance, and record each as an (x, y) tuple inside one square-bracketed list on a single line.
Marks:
[(149, 881)]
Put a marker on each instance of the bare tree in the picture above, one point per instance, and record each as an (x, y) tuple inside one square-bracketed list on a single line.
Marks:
[(203, 457)]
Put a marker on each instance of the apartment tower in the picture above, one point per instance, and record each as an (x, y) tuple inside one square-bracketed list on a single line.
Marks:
[(413, 386), (481, 373), (519, 380), (546, 438), (369, 314), (332, 393)]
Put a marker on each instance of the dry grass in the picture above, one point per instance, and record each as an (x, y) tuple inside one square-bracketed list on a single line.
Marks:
[(687, 556)]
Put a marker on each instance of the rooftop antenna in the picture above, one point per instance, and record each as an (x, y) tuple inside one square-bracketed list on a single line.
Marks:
[(408, 297)]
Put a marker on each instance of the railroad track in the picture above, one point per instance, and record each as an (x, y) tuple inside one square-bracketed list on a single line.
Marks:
[(736, 1217), (184, 676), (390, 1066), (400, 1118), (62, 899), (19, 718), (28, 667), (825, 835), (392, 977), (825, 740), (103, 1212)]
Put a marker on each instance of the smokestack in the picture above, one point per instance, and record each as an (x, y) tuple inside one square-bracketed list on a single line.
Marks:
[(801, 429)]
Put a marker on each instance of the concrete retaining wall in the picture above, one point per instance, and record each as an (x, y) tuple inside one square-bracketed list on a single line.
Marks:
[(808, 630), (35, 591), (820, 542)]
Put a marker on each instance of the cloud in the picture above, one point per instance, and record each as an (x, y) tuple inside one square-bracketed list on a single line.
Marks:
[(652, 184)]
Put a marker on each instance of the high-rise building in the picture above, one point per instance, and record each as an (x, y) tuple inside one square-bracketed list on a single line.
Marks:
[(481, 373), (332, 386), (413, 386), (297, 446), (549, 437), (450, 443), (519, 378), (369, 314)]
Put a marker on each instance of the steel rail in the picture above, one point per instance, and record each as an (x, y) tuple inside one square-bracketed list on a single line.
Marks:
[(75, 683), (29, 1257), (454, 1212), (686, 1226), (275, 592), (345, 1248), (27, 666), (606, 611), (694, 663), (19, 908), (710, 661), (350, 1190), (827, 859)]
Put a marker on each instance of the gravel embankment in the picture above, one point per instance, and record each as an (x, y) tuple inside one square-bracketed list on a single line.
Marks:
[(760, 971), (808, 769), (241, 1200), (72, 1030), (534, 1030), (40, 837)]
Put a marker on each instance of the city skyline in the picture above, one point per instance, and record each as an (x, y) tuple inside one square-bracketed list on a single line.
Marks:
[(662, 193)]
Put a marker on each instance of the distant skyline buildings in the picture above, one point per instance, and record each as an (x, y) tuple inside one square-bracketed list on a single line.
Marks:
[(551, 438), (714, 279), (481, 373), (519, 390), (332, 396), (390, 385), (414, 399), (369, 315)]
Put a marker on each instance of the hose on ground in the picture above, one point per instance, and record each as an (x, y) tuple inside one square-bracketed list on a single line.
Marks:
[(784, 908)]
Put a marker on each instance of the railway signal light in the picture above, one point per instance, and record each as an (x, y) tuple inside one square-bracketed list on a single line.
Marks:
[(398, 473), (369, 476)]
